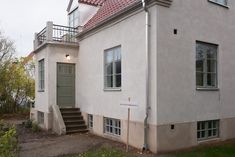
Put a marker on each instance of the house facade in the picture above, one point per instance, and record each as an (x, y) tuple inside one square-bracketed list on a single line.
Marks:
[(172, 59)]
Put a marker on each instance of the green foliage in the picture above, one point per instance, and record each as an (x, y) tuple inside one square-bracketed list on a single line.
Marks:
[(104, 152), (8, 143), (17, 84), (35, 127)]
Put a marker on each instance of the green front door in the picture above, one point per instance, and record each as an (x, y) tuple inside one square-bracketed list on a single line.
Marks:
[(65, 85)]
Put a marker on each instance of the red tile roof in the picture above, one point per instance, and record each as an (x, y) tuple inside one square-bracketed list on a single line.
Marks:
[(92, 2), (109, 8)]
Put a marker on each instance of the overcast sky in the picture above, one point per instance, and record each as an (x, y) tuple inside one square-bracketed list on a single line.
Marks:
[(20, 19)]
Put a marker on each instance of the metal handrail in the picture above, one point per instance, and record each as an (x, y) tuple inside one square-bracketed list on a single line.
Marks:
[(59, 34)]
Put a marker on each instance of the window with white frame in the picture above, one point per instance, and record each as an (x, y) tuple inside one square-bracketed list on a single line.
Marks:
[(112, 126), (90, 121), (207, 129), (206, 65), (73, 18), (221, 2), (41, 75), (40, 117), (112, 68)]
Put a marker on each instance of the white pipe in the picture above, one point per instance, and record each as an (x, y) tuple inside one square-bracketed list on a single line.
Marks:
[(146, 127)]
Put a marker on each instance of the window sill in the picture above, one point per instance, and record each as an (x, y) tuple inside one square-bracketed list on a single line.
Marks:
[(112, 89), (41, 90), (208, 140), (207, 89), (225, 6), (112, 135)]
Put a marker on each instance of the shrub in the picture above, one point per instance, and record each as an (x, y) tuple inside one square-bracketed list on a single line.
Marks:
[(35, 127), (8, 143)]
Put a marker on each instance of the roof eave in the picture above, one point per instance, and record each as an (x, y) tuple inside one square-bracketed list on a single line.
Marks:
[(127, 10)]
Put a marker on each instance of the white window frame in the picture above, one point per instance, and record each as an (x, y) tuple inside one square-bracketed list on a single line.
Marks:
[(224, 3), (90, 121), (112, 126), (73, 18), (115, 54), (205, 72), (207, 130), (41, 75)]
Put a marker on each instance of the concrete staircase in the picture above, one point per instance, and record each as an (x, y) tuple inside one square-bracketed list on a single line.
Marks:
[(73, 120)]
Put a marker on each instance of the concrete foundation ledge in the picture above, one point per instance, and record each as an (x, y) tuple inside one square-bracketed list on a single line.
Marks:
[(181, 136)]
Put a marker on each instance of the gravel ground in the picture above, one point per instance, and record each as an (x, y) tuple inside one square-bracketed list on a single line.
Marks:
[(47, 144)]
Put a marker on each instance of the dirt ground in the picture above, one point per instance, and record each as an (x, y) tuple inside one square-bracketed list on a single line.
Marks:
[(47, 144)]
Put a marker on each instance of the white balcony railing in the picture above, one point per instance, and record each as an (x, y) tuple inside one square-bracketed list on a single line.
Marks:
[(55, 33)]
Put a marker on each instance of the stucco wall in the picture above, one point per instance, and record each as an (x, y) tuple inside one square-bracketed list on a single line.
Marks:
[(130, 34), (178, 99), (41, 98), (52, 54)]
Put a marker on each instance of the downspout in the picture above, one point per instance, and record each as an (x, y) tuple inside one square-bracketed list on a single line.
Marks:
[(146, 127)]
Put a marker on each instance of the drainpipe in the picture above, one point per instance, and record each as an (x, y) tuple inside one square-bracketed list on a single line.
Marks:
[(145, 146)]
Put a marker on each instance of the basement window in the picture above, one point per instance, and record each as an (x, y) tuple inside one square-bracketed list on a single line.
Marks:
[(207, 130), (90, 121), (40, 117), (112, 126)]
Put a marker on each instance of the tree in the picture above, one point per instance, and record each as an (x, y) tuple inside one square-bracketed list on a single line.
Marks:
[(16, 85)]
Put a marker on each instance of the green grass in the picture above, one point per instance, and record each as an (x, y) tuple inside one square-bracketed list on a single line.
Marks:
[(104, 152), (220, 150), (226, 150)]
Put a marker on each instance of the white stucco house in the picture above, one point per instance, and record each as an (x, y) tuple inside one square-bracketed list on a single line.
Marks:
[(174, 59)]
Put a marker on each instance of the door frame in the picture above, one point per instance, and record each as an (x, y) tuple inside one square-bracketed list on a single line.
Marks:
[(57, 83)]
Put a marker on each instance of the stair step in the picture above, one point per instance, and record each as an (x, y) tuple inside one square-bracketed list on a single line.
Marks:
[(77, 131), (76, 126), (69, 109), (72, 122), (71, 114)]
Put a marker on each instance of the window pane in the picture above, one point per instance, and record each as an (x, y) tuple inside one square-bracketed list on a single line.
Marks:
[(109, 69), (215, 132), (211, 80), (109, 81), (199, 65), (118, 80), (203, 134), (199, 78), (118, 67), (211, 52), (117, 54), (211, 66), (109, 57)]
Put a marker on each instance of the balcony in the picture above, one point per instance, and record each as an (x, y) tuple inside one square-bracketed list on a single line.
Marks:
[(56, 34)]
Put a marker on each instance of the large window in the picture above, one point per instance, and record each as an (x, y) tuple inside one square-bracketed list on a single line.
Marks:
[(73, 18), (206, 65), (112, 68), (221, 2), (112, 126), (207, 129), (41, 75)]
